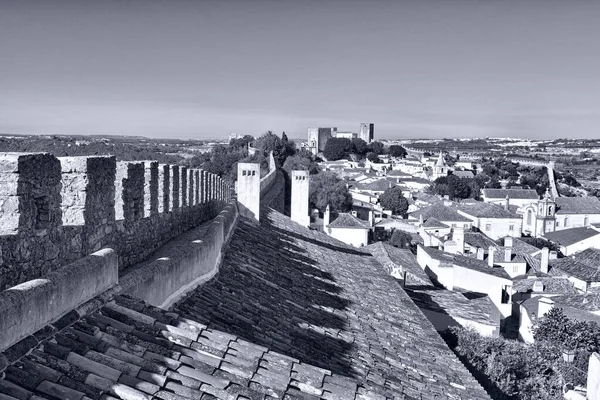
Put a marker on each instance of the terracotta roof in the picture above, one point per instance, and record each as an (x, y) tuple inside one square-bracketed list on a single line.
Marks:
[(523, 247), (570, 266), (551, 285), (511, 193), (393, 258), (455, 305), (567, 237), (440, 212), (300, 316), (589, 257), (486, 210), (463, 174), (478, 239), (577, 205), (380, 185), (345, 220), (466, 262), (434, 223)]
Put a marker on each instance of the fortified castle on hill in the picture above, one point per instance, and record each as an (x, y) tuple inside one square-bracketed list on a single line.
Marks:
[(136, 280)]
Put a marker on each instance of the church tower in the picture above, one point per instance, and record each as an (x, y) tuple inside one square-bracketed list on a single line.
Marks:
[(440, 168), (539, 218)]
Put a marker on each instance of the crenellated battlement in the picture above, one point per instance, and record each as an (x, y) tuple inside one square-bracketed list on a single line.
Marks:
[(58, 210)]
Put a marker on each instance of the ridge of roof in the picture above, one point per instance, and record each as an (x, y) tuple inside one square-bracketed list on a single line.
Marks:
[(348, 221)]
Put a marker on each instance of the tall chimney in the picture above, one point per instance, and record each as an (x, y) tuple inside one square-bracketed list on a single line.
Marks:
[(506, 203), (480, 253), (508, 241), (507, 254), (371, 218), (491, 252), (545, 258)]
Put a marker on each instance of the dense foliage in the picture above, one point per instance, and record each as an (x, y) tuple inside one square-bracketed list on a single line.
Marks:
[(326, 188), (456, 188), (393, 199), (301, 161), (509, 369), (339, 148), (401, 239), (282, 148), (397, 151)]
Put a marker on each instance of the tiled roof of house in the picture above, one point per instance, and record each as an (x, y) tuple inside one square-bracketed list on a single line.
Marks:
[(380, 185), (434, 223), (577, 205), (511, 193), (463, 174), (567, 237), (292, 312), (486, 210), (551, 285), (466, 261), (514, 257), (589, 257), (400, 259), (455, 305), (570, 266), (347, 221), (397, 172), (523, 247), (440, 212), (478, 239)]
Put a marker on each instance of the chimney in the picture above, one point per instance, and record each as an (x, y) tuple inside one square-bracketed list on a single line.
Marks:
[(508, 241), (326, 217), (371, 218), (553, 255), (507, 254), (545, 258), (480, 253), (506, 203), (491, 252), (353, 212)]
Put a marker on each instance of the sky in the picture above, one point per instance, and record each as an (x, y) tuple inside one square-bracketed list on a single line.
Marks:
[(204, 69)]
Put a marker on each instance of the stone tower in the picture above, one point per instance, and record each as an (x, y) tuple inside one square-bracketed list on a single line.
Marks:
[(539, 218), (299, 209), (248, 190)]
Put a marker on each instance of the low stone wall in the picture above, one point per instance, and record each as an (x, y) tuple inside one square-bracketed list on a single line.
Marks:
[(183, 263), (30, 306)]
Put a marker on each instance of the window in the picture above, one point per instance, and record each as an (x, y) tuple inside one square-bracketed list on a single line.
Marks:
[(566, 222), (557, 223), (586, 221), (488, 227), (529, 215), (511, 227), (515, 268)]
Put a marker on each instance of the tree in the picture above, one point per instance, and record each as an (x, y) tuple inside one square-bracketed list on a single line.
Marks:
[(360, 146), (397, 151), (393, 199), (327, 189), (298, 162), (400, 239), (281, 149), (337, 148), (458, 188), (493, 183), (374, 158), (376, 147)]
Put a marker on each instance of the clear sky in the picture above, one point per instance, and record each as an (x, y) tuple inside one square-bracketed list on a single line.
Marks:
[(196, 69)]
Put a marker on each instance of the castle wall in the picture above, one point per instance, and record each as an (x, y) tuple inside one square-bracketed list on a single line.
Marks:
[(55, 211)]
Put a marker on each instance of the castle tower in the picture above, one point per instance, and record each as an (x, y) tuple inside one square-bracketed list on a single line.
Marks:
[(248, 190), (367, 132), (299, 209)]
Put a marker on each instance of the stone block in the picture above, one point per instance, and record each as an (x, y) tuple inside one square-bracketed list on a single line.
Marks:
[(164, 188), (150, 188), (129, 191)]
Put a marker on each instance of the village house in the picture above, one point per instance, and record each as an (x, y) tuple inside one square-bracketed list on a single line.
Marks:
[(493, 220), (347, 228), (457, 271), (574, 240), (516, 197), (442, 213)]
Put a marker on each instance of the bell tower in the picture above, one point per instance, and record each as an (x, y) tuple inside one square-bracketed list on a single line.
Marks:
[(545, 218)]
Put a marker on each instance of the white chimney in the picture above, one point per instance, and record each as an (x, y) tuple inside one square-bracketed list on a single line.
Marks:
[(506, 203), (507, 254), (354, 214), (326, 217), (371, 218), (508, 241), (553, 255), (458, 235), (544, 261), (491, 252), (480, 253)]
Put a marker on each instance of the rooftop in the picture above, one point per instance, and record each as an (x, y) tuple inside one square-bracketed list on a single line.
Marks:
[(486, 210), (300, 314), (570, 266), (455, 304), (577, 205), (440, 212), (551, 285), (394, 258), (463, 174), (511, 193), (567, 237), (349, 221), (589, 257), (466, 262), (434, 223)]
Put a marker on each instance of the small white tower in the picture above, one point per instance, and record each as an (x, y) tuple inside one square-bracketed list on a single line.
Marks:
[(300, 186), (248, 190)]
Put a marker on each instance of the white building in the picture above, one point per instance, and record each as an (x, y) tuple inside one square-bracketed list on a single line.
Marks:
[(491, 219), (347, 228), (516, 197)]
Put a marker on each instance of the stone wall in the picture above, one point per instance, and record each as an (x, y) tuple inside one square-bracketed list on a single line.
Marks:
[(54, 211)]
